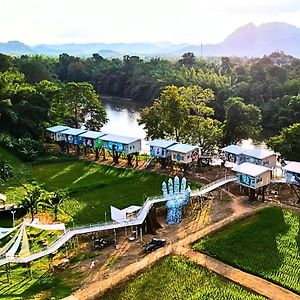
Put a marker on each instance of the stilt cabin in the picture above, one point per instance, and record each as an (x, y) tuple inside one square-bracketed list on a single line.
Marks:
[(261, 157), (118, 143), (159, 148), (92, 139), (72, 136), (292, 173), (252, 176), (56, 132), (184, 153), (233, 154)]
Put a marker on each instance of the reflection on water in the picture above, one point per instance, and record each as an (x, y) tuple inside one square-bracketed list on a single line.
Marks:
[(123, 117)]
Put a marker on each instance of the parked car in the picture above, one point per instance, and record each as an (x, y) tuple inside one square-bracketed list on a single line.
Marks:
[(101, 243), (154, 244)]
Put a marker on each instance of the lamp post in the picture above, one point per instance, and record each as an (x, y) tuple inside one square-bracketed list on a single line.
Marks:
[(13, 215)]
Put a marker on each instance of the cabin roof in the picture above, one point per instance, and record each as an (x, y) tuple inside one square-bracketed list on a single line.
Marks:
[(57, 128), (119, 139), (92, 134), (161, 143), (293, 166), (74, 131), (182, 148), (234, 149), (250, 169), (259, 153)]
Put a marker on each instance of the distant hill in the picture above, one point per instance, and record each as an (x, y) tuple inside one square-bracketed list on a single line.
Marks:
[(248, 40), (255, 41), (15, 47)]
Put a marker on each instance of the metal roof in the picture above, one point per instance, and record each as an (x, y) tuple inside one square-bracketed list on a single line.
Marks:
[(293, 166), (182, 148), (92, 134), (250, 169), (119, 139), (259, 153), (234, 149), (58, 128), (161, 143), (74, 131)]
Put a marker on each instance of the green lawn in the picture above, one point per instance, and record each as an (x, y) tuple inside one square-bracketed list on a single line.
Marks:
[(178, 278), (267, 244), (43, 284), (92, 188)]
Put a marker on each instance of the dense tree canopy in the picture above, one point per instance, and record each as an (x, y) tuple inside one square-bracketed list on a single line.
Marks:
[(287, 143)]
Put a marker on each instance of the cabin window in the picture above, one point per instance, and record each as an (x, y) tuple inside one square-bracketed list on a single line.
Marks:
[(182, 158), (174, 156), (258, 180)]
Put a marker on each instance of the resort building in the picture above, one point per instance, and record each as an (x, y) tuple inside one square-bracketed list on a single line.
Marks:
[(184, 153), (118, 143), (159, 148), (92, 139), (56, 132)]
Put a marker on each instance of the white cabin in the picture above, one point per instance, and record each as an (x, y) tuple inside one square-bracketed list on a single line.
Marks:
[(184, 153), (56, 132), (252, 175), (292, 173), (159, 148), (119, 143)]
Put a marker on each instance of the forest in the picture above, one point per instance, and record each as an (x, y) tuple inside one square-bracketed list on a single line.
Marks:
[(206, 101)]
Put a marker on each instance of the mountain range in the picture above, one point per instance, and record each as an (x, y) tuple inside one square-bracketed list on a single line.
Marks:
[(249, 40)]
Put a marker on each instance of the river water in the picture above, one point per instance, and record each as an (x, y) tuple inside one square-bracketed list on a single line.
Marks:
[(123, 115)]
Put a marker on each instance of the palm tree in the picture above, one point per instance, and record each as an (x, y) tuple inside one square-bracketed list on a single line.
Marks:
[(32, 199), (55, 200)]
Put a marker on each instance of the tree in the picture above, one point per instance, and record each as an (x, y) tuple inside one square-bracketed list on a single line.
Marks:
[(78, 103), (5, 171), (182, 114), (32, 199), (188, 59), (54, 201), (242, 121), (287, 143)]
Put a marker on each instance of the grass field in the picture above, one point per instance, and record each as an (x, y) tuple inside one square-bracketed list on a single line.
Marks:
[(92, 188), (267, 244), (43, 284), (178, 278)]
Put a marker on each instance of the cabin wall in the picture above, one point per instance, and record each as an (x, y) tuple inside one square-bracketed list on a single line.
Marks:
[(254, 182), (292, 177), (185, 158), (133, 147), (233, 158), (159, 152), (73, 139)]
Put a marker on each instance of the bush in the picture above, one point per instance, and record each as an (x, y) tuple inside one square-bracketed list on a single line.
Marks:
[(5, 171), (26, 149)]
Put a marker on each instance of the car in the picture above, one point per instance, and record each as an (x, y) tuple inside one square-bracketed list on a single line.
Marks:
[(102, 243), (154, 244)]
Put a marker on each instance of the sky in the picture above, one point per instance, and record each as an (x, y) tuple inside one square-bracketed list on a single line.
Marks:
[(179, 21)]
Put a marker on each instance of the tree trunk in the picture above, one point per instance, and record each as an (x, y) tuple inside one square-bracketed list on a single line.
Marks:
[(129, 160)]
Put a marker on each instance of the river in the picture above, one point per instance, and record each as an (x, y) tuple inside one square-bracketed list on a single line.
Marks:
[(123, 115)]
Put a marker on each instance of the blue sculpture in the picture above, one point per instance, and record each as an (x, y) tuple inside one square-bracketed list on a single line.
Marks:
[(177, 199)]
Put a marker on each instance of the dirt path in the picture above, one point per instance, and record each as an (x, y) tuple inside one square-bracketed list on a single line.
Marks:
[(182, 239), (254, 283), (107, 281)]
